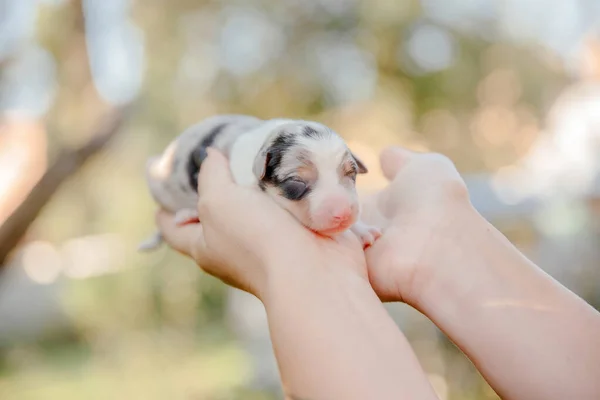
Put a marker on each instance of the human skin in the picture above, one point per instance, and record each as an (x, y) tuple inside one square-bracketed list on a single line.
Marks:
[(529, 336), (331, 335)]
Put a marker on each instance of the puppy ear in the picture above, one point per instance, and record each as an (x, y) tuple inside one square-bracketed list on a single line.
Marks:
[(262, 159), (260, 163), (362, 168)]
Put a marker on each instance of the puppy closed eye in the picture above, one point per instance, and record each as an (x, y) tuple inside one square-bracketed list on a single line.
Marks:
[(294, 189)]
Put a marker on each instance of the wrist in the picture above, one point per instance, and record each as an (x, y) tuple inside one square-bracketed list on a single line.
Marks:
[(468, 264), (309, 275), (329, 328), (449, 264), (280, 266)]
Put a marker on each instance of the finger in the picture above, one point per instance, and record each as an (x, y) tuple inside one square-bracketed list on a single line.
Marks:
[(186, 239), (214, 172), (348, 238), (392, 160)]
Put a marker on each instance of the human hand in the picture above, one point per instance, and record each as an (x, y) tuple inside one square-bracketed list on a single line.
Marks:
[(245, 238), (444, 259), (421, 211)]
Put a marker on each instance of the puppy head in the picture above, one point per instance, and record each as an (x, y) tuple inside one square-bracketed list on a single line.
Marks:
[(309, 170)]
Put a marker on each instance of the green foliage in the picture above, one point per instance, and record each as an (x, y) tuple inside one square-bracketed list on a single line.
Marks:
[(153, 327)]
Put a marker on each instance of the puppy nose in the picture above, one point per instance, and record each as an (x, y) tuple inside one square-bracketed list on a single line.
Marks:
[(342, 215)]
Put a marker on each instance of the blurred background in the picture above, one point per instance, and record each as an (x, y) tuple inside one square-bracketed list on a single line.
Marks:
[(509, 90)]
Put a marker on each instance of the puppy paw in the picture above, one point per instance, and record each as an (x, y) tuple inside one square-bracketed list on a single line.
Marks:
[(186, 216), (366, 234)]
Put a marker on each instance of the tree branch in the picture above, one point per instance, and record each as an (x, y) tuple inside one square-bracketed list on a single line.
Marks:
[(67, 163)]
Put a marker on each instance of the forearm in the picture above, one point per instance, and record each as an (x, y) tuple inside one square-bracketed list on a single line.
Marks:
[(334, 340), (529, 336)]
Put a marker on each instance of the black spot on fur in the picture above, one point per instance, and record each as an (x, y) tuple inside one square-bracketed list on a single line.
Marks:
[(275, 154), (212, 136), (311, 132), (198, 155), (193, 166), (290, 188), (184, 187)]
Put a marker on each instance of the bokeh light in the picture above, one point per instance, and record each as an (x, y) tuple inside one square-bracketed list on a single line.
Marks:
[(509, 90)]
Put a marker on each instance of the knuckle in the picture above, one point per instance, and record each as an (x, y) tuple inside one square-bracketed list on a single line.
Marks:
[(441, 161), (456, 189)]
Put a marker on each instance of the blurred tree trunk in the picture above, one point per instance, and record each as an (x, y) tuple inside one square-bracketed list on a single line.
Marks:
[(31, 201), (23, 161), (27, 182)]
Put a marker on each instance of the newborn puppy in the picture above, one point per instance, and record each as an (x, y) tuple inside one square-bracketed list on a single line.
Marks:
[(304, 166), (172, 177)]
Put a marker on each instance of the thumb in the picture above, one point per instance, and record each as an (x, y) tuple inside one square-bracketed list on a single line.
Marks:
[(393, 159), (214, 172)]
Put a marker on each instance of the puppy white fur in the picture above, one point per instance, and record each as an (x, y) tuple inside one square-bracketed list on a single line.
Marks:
[(305, 166)]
